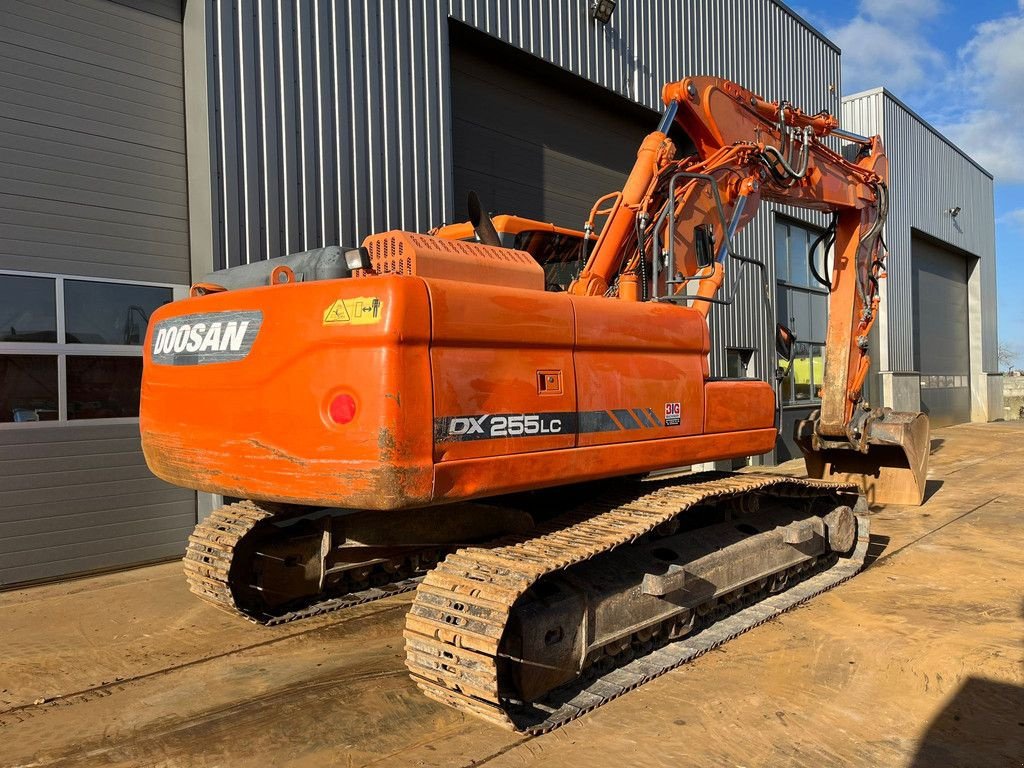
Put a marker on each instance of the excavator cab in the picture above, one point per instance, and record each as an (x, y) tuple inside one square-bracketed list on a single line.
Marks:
[(562, 252)]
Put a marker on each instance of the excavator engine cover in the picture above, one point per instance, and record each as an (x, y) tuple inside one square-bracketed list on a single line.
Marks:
[(890, 465), (411, 253)]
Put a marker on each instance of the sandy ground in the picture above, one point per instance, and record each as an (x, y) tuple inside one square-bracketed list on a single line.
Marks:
[(916, 662)]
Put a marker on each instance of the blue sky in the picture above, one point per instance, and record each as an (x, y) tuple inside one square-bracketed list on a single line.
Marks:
[(960, 65)]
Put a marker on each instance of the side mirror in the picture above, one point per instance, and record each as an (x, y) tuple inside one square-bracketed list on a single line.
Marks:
[(784, 340), (704, 245)]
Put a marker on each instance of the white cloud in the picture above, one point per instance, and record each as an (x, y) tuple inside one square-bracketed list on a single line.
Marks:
[(875, 54), (902, 9), (885, 44), (1015, 218), (976, 97), (989, 137), (994, 58), (986, 91)]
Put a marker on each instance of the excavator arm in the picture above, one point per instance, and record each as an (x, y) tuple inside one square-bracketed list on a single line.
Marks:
[(668, 237)]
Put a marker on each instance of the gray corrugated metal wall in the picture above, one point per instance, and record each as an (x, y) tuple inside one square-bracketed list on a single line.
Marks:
[(928, 175), (92, 183), (330, 120)]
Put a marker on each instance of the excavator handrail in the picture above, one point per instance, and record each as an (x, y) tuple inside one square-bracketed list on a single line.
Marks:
[(668, 211)]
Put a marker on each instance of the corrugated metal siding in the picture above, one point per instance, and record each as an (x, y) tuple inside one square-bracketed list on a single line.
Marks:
[(332, 120), (927, 176), (92, 180), (80, 498)]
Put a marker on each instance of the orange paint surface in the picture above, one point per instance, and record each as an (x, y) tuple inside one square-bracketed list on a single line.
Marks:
[(570, 385)]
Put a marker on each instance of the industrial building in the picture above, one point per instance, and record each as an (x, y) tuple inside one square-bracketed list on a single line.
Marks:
[(145, 143)]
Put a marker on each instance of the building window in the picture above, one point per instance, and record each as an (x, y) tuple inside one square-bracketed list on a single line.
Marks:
[(71, 348), (109, 313), (29, 390), (28, 309), (103, 387), (804, 374), (801, 305)]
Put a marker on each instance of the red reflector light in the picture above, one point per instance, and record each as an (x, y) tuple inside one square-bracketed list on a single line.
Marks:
[(343, 409)]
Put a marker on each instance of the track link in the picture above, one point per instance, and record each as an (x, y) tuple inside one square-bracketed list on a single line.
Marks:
[(208, 562), (211, 547), (456, 624)]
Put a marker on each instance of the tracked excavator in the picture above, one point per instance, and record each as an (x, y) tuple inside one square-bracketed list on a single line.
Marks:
[(476, 413)]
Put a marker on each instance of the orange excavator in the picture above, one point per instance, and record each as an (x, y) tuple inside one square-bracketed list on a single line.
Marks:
[(476, 414)]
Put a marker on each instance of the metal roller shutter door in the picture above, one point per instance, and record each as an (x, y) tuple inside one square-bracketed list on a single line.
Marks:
[(941, 335), (92, 183), (533, 140)]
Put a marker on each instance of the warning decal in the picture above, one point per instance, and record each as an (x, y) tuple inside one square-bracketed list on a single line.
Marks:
[(363, 310)]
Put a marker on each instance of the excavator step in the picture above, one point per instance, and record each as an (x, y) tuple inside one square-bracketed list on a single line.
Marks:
[(457, 627)]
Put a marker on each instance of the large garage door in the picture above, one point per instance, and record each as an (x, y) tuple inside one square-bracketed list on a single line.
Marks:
[(93, 206), (942, 344), (533, 140)]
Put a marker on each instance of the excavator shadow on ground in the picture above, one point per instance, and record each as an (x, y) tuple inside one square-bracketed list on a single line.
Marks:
[(983, 724)]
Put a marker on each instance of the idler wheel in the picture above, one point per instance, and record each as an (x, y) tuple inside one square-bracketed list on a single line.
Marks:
[(842, 529)]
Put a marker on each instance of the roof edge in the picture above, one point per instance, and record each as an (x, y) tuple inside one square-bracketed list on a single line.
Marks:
[(886, 93), (862, 94), (813, 29)]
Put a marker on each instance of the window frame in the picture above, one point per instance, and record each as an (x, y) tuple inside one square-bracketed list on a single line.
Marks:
[(61, 349), (793, 288), (812, 286), (815, 373)]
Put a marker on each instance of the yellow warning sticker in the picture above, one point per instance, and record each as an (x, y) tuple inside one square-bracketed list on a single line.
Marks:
[(363, 310)]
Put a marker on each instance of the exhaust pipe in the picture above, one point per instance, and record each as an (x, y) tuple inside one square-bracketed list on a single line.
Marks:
[(482, 224)]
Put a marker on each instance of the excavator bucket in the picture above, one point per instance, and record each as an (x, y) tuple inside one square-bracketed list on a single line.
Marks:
[(894, 469)]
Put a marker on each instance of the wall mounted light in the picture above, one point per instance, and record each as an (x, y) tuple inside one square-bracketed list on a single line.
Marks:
[(954, 211), (601, 10)]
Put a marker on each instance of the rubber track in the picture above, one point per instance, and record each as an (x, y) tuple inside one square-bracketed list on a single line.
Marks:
[(455, 626), (207, 565)]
